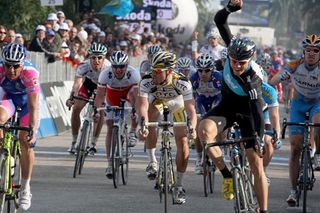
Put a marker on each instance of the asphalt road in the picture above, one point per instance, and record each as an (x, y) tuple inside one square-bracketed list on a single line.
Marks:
[(55, 190)]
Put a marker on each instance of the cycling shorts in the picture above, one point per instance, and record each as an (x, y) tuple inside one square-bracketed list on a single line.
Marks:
[(114, 96), (87, 88), (298, 109), (176, 107)]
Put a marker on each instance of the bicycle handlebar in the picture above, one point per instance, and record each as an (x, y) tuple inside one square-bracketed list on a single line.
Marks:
[(144, 124), (303, 124), (8, 126)]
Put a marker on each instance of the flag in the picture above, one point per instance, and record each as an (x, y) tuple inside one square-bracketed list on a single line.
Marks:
[(118, 8)]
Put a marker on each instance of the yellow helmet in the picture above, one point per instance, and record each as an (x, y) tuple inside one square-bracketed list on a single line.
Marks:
[(311, 41), (163, 60)]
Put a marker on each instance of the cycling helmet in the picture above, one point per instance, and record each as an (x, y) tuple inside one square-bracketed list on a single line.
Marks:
[(13, 54), (311, 41), (97, 49), (184, 62), (153, 49), (205, 61), (241, 48), (163, 60), (119, 58), (264, 60)]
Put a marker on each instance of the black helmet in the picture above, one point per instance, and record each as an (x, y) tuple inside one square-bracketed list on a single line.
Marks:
[(241, 48)]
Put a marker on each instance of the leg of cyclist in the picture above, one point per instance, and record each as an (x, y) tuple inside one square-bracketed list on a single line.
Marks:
[(316, 136), (75, 123), (208, 131), (151, 143), (181, 163), (260, 182), (132, 96)]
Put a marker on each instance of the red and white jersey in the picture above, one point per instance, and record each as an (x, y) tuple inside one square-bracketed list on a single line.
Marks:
[(85, 70), (108, 79)]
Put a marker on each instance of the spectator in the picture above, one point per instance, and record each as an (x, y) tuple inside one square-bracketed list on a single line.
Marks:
[(11, 36), (3, 34), (135, 50), (61, 36), (52, 20), (72, 35), (49, 47), (61, 17), (69, 23), (36, 42), (19, 39), (123, 46)]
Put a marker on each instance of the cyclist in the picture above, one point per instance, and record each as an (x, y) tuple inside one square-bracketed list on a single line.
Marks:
[(145, 65), (206, 85), (165, 87), (116, 82), (305, 77), (84, 85), (184, 66), (20, 87), (213, 48), (241, 85)]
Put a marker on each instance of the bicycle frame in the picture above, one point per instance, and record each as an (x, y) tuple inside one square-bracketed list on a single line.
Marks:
[(306, 177)]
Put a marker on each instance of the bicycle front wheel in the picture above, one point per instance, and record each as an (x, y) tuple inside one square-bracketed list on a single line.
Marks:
[(125, 159), (81, 149), (16, 177), (206, 178), (165, 179), (306, 178), (115, 159), (240, 201)]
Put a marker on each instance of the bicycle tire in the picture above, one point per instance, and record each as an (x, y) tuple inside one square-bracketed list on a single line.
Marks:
[(211, 169), (165, 179), (171, 176), (248, 178), (115, 156), (16, 179), (205, 175), (84, 151), (3, 186), (159, 178), (125, 158), (240, 201), (79, 152), (305, 179)]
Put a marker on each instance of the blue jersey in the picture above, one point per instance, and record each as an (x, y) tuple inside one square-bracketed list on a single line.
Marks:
[(207, 94)]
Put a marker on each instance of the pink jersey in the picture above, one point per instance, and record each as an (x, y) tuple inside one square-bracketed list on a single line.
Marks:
[(26, 83)]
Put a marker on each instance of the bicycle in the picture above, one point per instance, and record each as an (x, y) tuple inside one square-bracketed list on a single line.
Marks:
[(165, 179), (244, 200), (85, 133), (208, 172), (120, 151), (306, 177), (10, 170)]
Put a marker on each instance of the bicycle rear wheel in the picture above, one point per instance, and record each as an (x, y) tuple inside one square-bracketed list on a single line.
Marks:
[(125, 158), (115, 159), (165, 179), (81, 149), (240, 201), (306, 178)]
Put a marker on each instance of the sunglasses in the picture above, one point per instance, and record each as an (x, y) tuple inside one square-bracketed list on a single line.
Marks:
[(9, 66), (158, 70), (241, 63), (204, 70), (312, 50), (121, 66), (97, 57)]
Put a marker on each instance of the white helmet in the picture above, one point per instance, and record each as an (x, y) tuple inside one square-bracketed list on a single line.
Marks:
[(213, 34), (184, 62), (205, 61)]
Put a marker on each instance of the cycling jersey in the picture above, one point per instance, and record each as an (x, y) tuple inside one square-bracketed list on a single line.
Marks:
[(14, 93), (176, 85), (207, 94), (85, 70), (118, 88), (145, 67)]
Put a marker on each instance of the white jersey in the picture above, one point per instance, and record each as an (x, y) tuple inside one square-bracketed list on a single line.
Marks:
[(306, 82), (85, 70), (145, 67), (108, 79), (215, 52), (178, 85)]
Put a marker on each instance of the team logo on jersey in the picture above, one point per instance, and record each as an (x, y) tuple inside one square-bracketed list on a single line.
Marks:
[(110, 75), (313, 78), (35, 81), (128, 75)]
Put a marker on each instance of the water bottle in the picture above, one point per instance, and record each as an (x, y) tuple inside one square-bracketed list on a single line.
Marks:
[(12, 166), (277, 144)]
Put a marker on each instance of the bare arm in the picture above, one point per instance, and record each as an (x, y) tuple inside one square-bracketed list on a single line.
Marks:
[(101, 93), (191, 112), (76, 84), (33, 108), (142, 107)]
